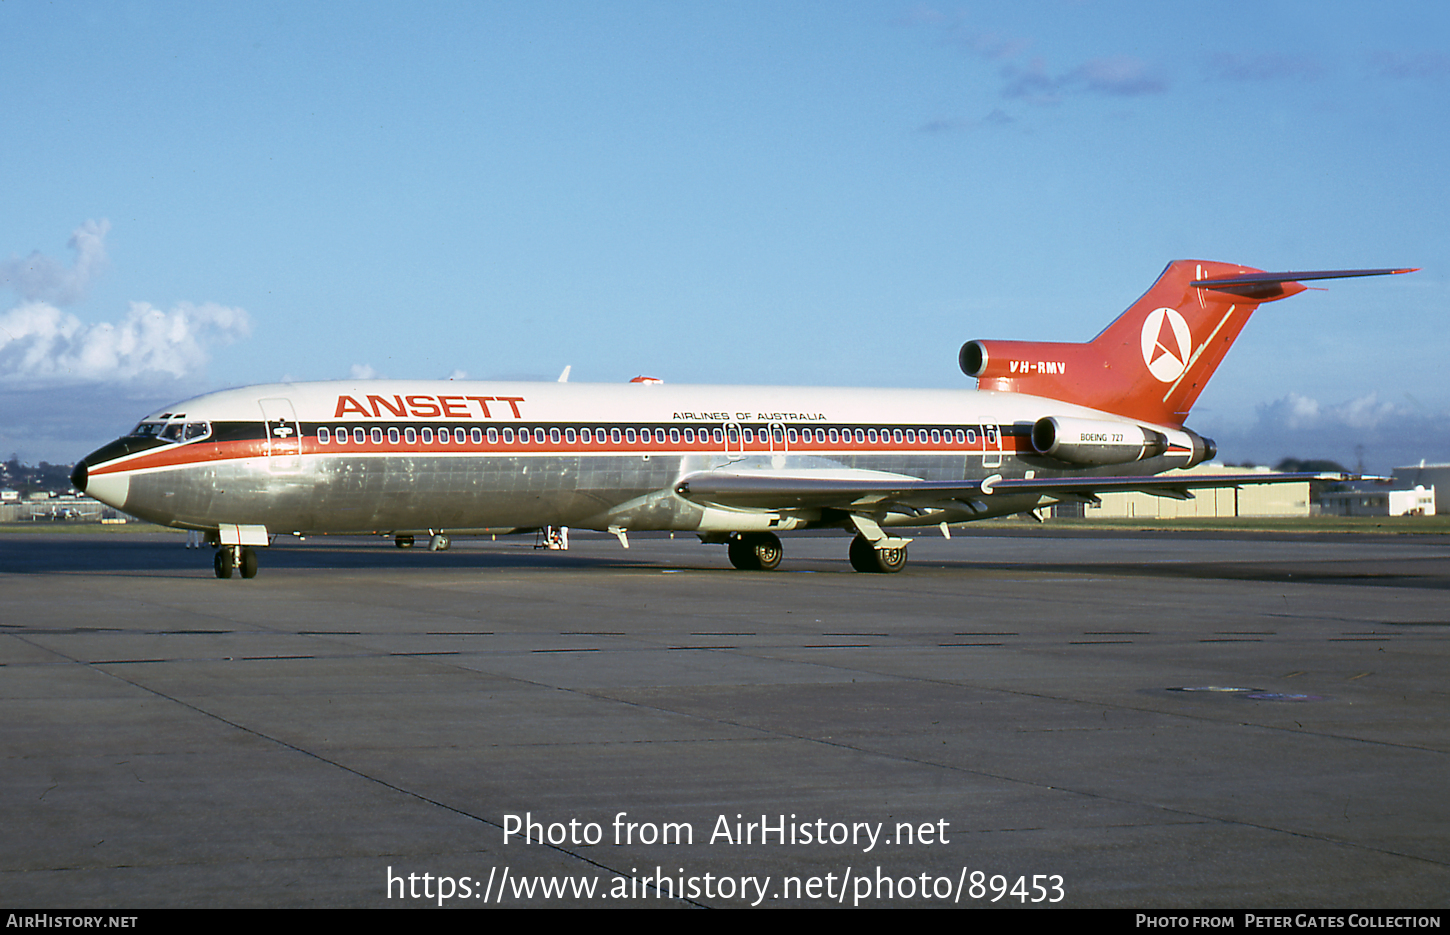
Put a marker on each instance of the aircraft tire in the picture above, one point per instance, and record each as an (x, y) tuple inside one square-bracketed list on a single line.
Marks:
[(403, 542), (438, 543), (868, 559), (890, 561), (768, 551), (742, 554), (222, 562), (249, 563)]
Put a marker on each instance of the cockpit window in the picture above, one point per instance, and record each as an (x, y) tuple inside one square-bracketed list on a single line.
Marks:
[(172, 431)]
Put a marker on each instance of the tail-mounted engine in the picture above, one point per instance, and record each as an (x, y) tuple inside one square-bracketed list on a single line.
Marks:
[(1095, 442)]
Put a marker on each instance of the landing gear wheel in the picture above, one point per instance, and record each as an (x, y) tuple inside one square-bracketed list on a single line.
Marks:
[(742, 555), (223, 562), (756, 551), (248, 564), (438, 543), (865, 557), (890, 561), (403, 542)]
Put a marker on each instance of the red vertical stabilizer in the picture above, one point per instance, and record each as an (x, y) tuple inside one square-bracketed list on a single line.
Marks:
[(1153, 361)]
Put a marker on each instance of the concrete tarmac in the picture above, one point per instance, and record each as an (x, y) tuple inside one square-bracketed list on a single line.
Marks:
[(1159, 721)]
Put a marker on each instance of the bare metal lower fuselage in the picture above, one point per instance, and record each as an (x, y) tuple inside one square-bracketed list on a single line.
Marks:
[(354, 494)]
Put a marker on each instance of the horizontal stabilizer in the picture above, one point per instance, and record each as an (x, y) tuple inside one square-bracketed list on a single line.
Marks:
[(1263, 284)]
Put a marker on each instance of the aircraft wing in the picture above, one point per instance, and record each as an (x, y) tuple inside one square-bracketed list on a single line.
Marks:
[(767, 490)]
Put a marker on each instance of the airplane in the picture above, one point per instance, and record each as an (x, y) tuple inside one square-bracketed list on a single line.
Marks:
[(1048, 422)]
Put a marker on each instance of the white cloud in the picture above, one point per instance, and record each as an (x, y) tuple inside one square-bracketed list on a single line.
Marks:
[(66, 385), (363, 372), (39, 343), (39, 278)]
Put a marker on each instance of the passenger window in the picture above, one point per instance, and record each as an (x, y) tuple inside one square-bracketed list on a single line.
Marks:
[(427, 435), (377, 435), (896, 435), (629, 435), (476, 435), (569, 436), (460, 436), (554, 436), (324, 435), (410, 435), (539, 436), (508, 436), (614, 435), (359, 436), (393, 437), (493, 436)]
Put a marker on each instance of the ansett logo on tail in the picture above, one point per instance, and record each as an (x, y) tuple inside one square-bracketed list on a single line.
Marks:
[(1166, 344)]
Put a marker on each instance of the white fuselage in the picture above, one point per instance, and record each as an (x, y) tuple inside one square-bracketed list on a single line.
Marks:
[(395, 456)]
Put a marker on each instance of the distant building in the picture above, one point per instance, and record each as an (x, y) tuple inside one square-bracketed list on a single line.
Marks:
[(1368, 499), (1254, 500), (1409, 492)]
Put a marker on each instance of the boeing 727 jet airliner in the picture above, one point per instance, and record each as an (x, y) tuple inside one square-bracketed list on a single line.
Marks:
[(1048, 422)]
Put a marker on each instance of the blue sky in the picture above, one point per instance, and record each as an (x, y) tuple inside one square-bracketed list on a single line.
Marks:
[(206, 195)]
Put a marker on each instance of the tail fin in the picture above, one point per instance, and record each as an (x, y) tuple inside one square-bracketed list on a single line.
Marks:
[(1153, 361)]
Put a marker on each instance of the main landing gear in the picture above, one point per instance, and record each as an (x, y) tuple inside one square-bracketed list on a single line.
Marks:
[(755, 551), (865, 557), (761, 551), (239, 557)]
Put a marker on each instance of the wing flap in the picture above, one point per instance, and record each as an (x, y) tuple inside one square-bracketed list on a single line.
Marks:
[(767, 490)]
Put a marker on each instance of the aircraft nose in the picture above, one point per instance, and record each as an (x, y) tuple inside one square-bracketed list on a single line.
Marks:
[(109, 486)]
